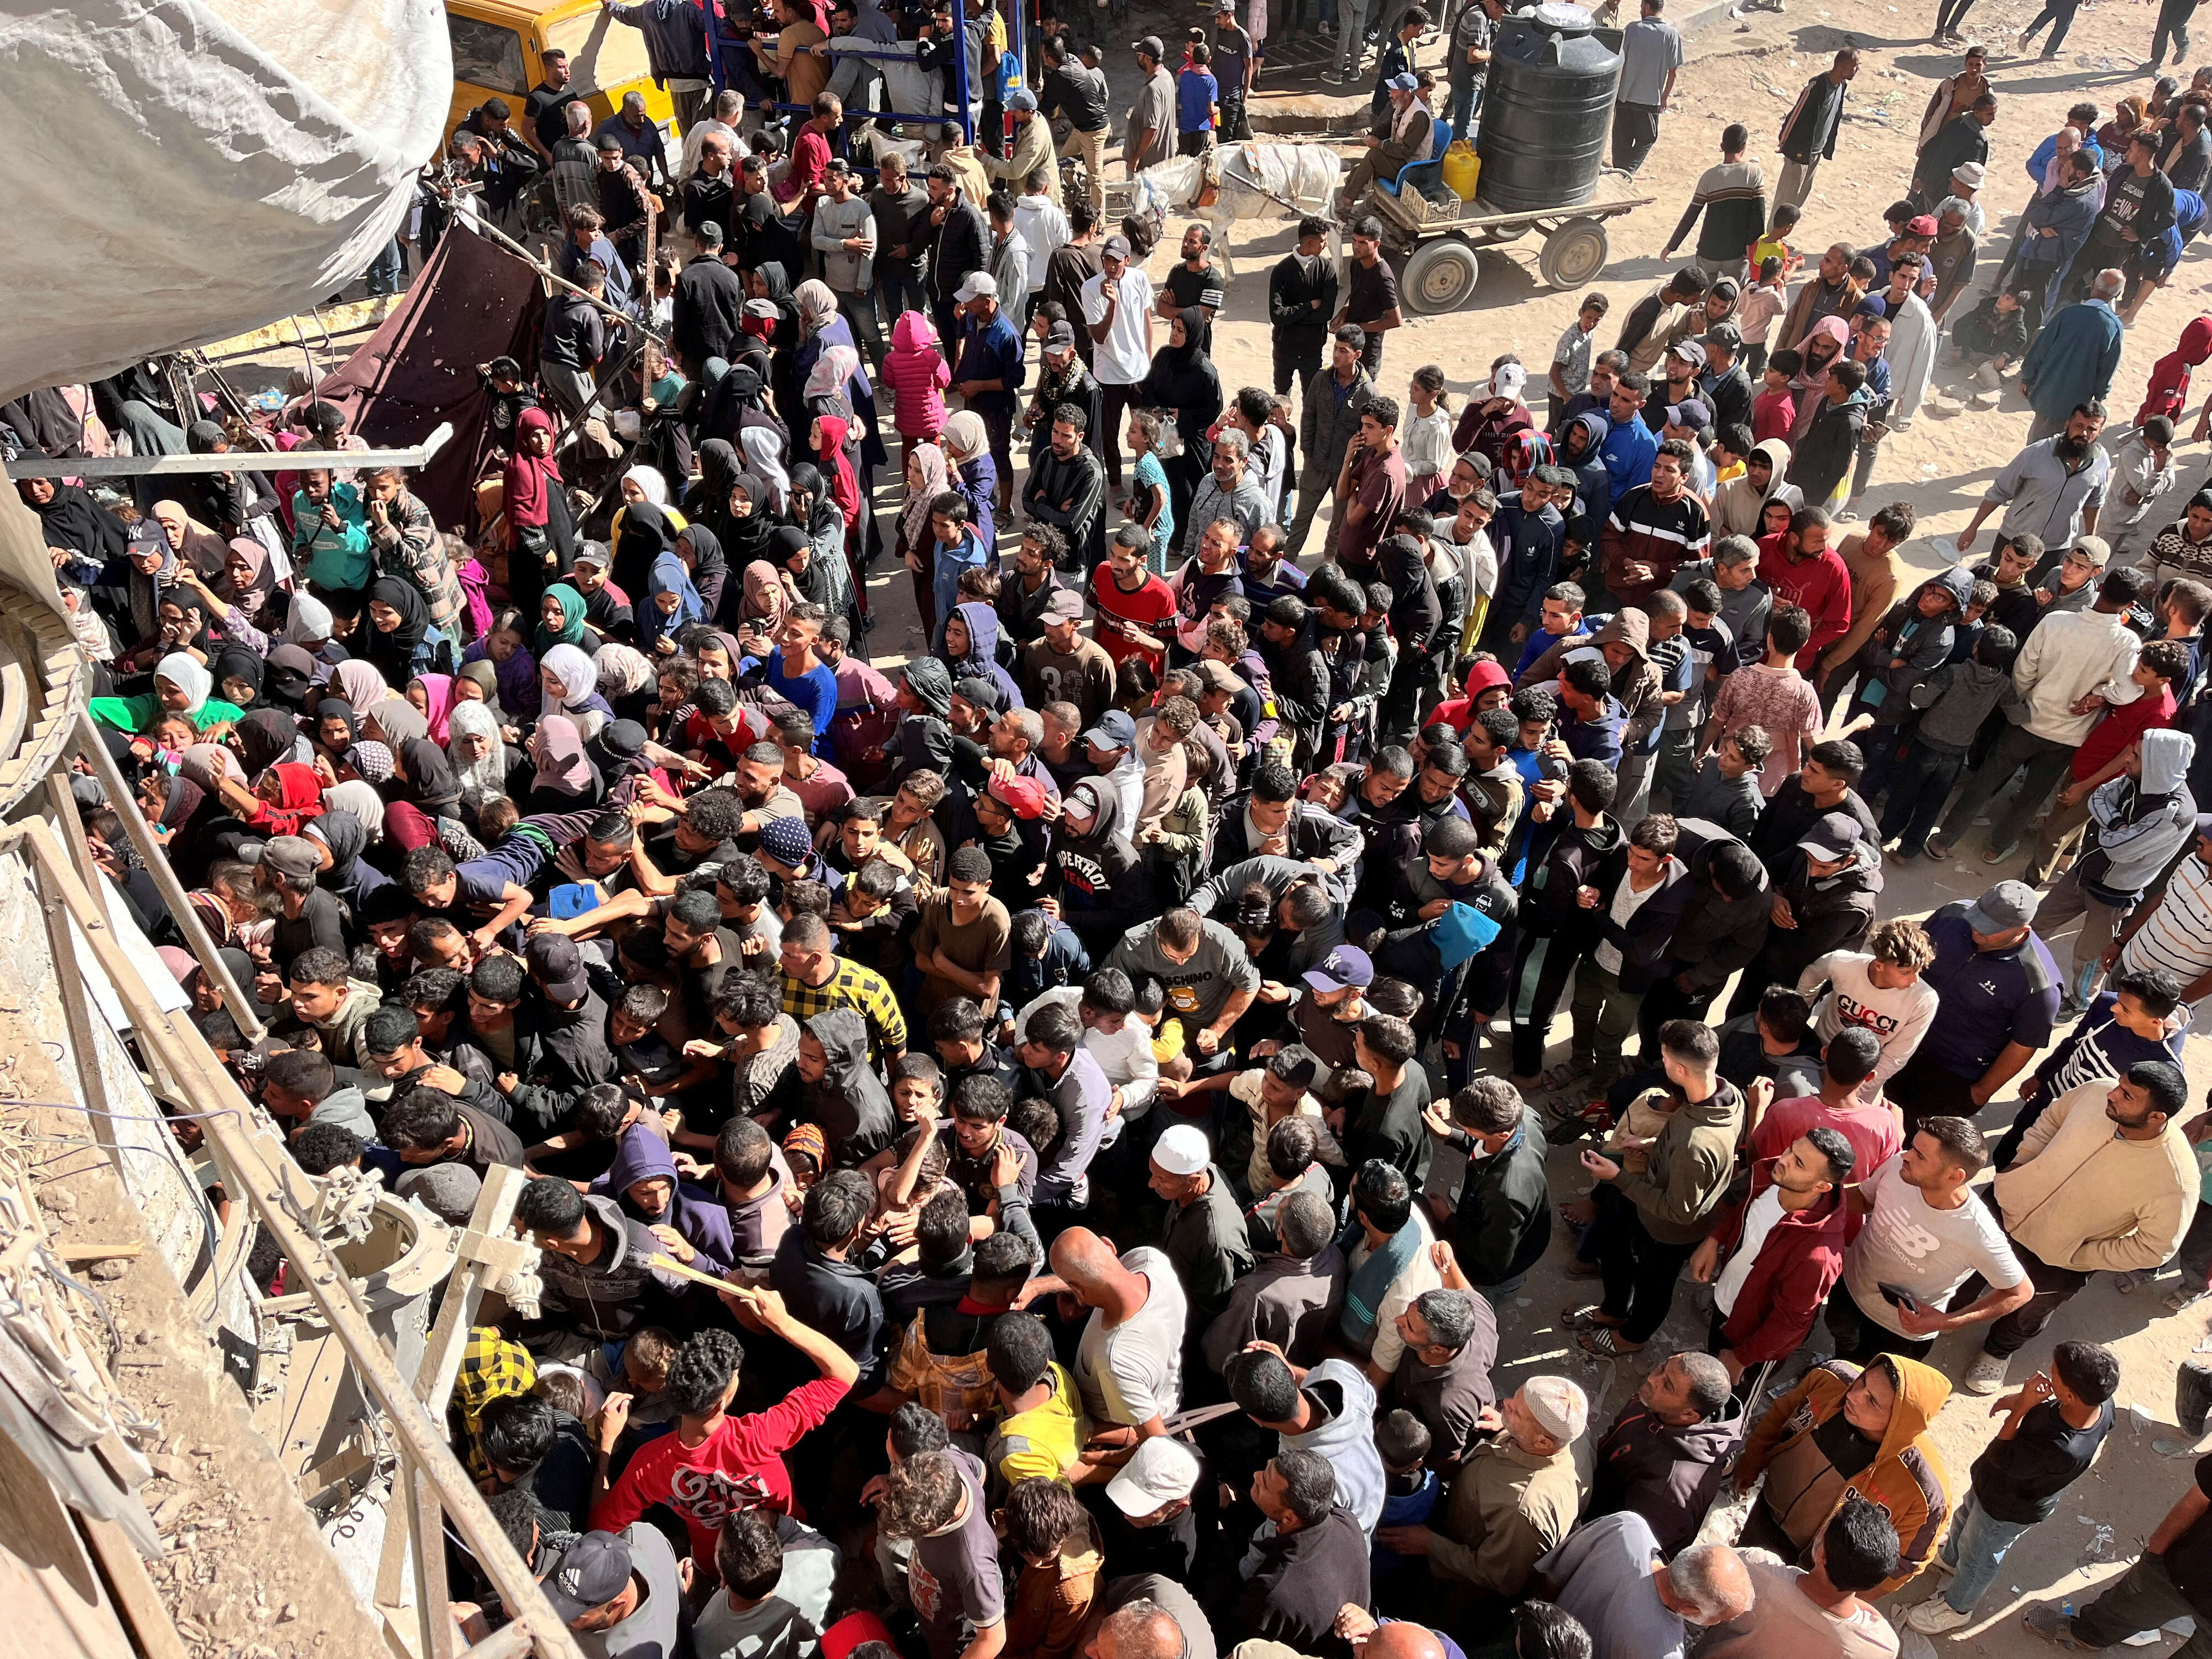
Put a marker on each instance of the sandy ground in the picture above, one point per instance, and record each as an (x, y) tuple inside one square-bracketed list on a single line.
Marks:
[(1752, 72)]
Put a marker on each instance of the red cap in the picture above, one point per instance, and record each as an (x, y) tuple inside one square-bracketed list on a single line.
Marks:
[(850, 1631), (1022, 797)]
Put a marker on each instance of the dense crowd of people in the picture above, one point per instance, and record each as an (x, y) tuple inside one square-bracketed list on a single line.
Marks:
[(1030, 1143)]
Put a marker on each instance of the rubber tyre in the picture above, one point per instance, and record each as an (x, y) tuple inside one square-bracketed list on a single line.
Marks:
[(1574, 254), (1439, 277)]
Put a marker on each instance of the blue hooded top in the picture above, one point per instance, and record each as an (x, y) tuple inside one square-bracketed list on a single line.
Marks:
[(982, 661), (692, 1210)]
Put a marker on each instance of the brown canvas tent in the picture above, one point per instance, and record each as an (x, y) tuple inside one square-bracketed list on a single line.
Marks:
[(474, 301)]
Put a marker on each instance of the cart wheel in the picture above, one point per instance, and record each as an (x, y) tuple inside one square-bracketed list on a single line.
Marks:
[(1574, 253), (1439, 277)]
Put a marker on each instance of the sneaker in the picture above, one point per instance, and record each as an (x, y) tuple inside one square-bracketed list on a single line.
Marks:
[(1934, 1616), (1986, 1375), (1995, 854)]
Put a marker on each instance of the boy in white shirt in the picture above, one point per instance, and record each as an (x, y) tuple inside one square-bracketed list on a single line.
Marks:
[(1880, 990)]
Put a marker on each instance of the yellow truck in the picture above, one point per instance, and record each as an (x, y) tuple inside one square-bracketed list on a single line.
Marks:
[(496, 45)]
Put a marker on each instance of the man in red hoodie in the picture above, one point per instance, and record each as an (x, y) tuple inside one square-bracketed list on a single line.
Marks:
[(1772, 1261), (1802, 569)]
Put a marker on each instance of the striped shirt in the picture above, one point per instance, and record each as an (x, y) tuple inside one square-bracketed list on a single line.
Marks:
[(863, 990), (2177, 937)]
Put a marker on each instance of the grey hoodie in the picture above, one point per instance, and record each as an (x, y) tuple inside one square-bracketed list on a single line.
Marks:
[(2141, 824), (608, 1298), (1347, 1439), (1957, 699), (348, 1108)]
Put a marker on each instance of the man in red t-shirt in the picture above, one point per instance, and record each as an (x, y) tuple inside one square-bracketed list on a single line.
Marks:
[(1370, 489), (1874, 1132), (1135, 606), (713, 1464)]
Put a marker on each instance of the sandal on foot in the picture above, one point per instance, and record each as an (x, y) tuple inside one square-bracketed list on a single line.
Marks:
[(1606, 1343), (1581, 1269), (1582, 1316), (1561, 1077)]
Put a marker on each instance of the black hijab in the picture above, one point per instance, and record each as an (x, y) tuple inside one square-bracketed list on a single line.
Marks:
[(234, 662), (747, 538), (74, 521), (1183, 379), (393, 654), (430, 781), (646, 535), (290, 677), (266, 736), (787, 543)]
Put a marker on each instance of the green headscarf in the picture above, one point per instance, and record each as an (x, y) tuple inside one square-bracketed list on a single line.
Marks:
[(572, 620)]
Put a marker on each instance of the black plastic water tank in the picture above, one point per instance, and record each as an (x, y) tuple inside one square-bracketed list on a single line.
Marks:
[(1547, 109)]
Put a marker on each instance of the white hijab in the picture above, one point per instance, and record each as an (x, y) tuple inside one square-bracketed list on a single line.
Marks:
[(189, 675), (480, 779)]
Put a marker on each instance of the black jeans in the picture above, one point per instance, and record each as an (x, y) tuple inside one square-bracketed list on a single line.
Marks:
[(1923, 1089), (1638, 1270), (1858, 1339), (2058, 13), (1920, 781), (2054, 1288), (2143, 1599), (1297, 356), (1540, 966), (1666, 1001), (1115, 402), (1950, 14)]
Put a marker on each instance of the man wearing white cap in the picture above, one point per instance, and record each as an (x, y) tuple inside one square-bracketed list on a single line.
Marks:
[(1966, 183), (1152, 1527), (1206, 1239), (989, 369), (1516, 1497)]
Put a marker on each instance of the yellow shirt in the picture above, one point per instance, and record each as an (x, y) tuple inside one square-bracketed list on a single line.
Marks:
[(1771, 246), (1044, 1440)]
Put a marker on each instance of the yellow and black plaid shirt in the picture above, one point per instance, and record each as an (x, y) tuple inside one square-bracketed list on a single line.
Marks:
[(863, 990)]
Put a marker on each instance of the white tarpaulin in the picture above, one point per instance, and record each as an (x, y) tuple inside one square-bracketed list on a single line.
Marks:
[(184, 170)]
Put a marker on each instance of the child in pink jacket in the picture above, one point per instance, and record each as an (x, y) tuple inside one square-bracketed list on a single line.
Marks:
[(918, 374)]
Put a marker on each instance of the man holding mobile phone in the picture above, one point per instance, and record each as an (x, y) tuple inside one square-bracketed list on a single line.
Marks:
[(1925, 1235)]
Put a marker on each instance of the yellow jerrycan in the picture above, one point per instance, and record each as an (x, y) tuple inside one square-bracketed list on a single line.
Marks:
[(1462, 169)]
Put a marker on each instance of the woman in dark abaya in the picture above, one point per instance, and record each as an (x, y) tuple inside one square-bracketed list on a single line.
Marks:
[(429, 780), (701, 550), (68, 518), (289, 679), (828, 580), (643, 535), (706, 502), (1184, 382)]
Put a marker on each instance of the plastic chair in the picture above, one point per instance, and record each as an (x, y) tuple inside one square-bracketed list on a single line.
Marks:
[(1427, 171)]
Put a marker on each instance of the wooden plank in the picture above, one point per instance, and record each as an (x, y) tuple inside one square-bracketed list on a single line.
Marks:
[(264, 1173), (136, 1598)]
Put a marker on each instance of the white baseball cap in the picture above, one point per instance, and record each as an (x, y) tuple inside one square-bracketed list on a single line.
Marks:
[(1181, 1150), (1163, 1472), (979, 282)]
